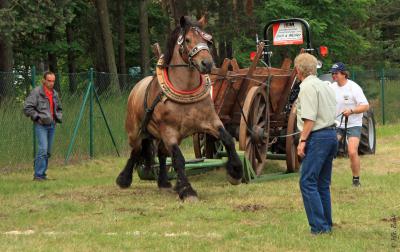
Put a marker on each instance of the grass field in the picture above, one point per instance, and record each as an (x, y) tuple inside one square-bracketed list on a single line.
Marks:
[(83, 210)]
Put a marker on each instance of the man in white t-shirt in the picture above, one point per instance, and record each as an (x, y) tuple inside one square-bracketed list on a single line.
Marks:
[(351, 103)]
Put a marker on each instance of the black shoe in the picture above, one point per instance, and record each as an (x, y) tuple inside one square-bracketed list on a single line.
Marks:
[(356, 183), (39, 179)]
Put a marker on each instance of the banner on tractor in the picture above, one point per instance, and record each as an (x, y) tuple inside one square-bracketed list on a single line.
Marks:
[(289, 33)]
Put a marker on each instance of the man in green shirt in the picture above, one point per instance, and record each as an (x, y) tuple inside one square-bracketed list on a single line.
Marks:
[(316, 108)]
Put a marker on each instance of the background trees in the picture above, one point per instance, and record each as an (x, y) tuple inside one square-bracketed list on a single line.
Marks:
[(114, 36)]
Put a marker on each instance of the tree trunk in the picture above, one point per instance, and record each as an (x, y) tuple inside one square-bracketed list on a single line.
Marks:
[(172, 12), (101, 80), (170, 26), (176, 9), (102, 10), (221, 51), (6, 61), (121, 44), (144, 38), (52, 57), (222, 24), (71, 59), (229, 49)]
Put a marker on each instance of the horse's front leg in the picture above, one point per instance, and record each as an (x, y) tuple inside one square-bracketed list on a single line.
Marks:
[(183, 187), (234, 166)]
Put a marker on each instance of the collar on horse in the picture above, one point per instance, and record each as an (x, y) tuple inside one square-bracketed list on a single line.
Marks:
[(182, 96), (168, 91)]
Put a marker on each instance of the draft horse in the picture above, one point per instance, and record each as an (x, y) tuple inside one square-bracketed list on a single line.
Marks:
[(164, 109)]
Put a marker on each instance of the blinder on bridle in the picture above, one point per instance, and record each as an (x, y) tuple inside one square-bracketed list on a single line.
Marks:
[(197, 48)]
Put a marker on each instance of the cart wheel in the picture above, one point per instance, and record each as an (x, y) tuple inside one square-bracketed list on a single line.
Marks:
[(292, 160), (368, 137), (206, 146), (254, 128)]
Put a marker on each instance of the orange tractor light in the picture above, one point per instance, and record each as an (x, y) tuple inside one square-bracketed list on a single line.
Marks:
[(252, 55), (323, 51)]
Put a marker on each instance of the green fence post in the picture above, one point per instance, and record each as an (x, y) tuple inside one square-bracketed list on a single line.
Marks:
[(383, 95), (78, 123), (91, 146), (33, 77), (105, 120)]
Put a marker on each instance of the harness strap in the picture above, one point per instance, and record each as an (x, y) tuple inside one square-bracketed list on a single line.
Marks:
[(345, 135), (343, 140), (148, 112)]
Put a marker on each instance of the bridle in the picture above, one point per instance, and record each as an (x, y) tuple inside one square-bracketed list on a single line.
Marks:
[(184, 52)]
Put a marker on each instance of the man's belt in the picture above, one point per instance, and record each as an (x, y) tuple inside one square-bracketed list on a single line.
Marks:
[(331, 127)]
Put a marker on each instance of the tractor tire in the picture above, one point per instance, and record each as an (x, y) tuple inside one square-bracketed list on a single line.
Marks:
[(368, 134)]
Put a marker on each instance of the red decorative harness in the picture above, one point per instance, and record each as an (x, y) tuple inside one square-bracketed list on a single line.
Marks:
[(182, 96)]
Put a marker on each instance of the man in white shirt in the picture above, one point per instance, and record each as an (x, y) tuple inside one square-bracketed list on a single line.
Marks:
[(351, 103)]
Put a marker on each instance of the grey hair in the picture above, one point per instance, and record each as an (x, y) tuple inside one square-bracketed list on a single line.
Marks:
[(306, 64)]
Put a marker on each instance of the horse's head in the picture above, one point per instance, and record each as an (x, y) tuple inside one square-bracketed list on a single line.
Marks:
[(194, 44)]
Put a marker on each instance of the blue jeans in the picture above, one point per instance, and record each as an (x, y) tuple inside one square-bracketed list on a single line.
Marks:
[(315, 179), (45, 137)]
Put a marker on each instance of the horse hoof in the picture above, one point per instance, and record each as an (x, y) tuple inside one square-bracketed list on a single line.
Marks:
[(186, 193), (191, 199), (123, 182), (234, 181)]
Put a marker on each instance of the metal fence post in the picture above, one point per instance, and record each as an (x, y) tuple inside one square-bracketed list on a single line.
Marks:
[(91, 146), (33, 77), (383, 95)]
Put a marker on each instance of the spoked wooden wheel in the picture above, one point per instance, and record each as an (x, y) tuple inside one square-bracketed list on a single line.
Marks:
[(292, 140), (254, 128), (206, 146)]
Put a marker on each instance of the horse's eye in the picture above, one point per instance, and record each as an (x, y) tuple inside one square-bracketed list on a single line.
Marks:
[(187, 41)]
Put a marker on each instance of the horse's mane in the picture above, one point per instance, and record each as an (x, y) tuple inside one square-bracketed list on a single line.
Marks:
[(173, 37)]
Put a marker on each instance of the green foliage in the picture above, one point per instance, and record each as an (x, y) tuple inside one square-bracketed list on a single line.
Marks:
[(360, 32)]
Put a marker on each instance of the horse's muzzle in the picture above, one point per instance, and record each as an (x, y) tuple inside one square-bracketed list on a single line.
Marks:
[(206, 66)]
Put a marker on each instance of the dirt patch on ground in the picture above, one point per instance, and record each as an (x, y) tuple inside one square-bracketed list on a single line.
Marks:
[(139, 211), (391, 219), (250, 207)]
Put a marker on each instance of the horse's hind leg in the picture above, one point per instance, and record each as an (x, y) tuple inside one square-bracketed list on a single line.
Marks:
[(162, 181), (234, 166), (124, 179), (147, 154)]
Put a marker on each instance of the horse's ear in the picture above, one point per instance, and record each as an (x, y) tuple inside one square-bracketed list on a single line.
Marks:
[(202, 22), (184, 21)]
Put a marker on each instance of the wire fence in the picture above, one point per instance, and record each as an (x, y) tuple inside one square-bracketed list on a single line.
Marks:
[(382, 89), (16, 130)]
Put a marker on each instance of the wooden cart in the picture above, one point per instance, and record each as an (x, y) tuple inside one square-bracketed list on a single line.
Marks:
[(256, 105), (251, 104)]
